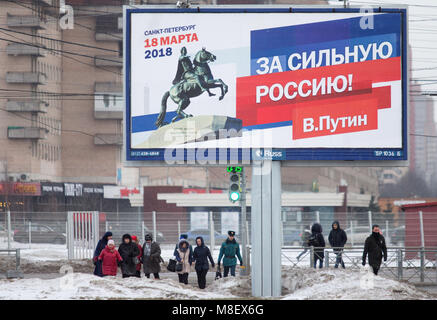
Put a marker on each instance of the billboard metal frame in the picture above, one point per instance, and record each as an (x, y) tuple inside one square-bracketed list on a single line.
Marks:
[(294, 157)]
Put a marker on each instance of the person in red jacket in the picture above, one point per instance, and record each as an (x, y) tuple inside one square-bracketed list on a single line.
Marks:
[(135, 239), (110, 258)]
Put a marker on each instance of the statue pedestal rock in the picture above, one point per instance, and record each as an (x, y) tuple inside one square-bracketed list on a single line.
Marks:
[(198, 128)]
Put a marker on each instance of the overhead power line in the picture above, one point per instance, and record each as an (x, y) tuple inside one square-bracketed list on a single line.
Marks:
[(54, 128), (62, 41), (58, 50)]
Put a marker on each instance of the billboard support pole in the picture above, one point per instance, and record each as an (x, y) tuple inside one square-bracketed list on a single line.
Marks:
[(266, 222), (245, 270)]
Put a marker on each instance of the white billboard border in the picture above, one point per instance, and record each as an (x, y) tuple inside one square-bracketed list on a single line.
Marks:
[(281, 8)]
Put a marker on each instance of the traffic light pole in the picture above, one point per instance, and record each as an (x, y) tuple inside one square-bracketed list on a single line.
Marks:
[(245, 255)]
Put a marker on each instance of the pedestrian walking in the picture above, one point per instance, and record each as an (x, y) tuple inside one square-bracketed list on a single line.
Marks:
[(230, 250), (110, 259), (100, 246), (337, 239), (129, 253), (201, 255), (138, 267), (306, 234), (182, 236), (184, 256), (375, 248), (318, 242), (151, 257)]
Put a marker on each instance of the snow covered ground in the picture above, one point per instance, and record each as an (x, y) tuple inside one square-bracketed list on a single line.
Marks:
[(298, 284), (44, 261), (338, 284), (87, 286)]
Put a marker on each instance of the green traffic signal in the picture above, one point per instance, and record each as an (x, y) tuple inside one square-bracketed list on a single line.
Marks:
[(234, 196), (234, 169), (234, 186)]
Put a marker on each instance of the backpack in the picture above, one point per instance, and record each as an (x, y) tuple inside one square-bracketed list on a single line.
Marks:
[(313, 241)]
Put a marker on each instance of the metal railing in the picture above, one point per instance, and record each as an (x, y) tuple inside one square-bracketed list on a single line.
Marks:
[(17, 272), (413, 264)]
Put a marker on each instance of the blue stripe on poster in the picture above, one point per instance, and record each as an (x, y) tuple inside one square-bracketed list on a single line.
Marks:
[(147, 122), (269, 125), (340, 45), (310, 33)]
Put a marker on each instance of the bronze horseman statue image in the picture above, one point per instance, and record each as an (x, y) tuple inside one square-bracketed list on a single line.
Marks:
[(192, 79)]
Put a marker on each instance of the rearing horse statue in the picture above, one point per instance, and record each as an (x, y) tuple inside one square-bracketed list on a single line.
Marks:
[(190, 82)]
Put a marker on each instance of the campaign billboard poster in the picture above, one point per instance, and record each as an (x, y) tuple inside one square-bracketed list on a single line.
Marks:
[(300, 84)]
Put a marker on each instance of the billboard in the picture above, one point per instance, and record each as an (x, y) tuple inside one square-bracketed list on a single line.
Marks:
[(310, 84)]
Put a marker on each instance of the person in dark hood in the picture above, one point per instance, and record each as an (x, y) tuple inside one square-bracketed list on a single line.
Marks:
[(151, 257), (129, 252), (337, 239), (184, 256), (200, 256), (100, 246), (375, 248), (230, 249), (318, 242)]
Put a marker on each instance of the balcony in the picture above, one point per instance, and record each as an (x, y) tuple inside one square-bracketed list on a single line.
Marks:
[(108, 139), (26, 106), (108, 28), (108, 87), (29, 21), (26, 77), (48, 3), (108, 61), (108, 106), (27, 133), (109, 36), (17, 49), (108, 101)]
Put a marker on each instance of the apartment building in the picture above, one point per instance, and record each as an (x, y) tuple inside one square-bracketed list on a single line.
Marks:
[(61, 113)]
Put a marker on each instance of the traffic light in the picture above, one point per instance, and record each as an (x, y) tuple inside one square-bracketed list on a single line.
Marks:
[(234, 183)]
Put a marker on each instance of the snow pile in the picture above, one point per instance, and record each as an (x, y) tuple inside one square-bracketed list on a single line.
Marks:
[(298, 283), (338, 284), (85, 286), (230, 286), (45, 252), (331, 284)]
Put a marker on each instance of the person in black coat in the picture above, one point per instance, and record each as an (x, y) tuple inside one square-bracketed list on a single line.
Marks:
[(337, 239), (100, 246), (200, 256), (318, 242), (128, 252), (375, 248)]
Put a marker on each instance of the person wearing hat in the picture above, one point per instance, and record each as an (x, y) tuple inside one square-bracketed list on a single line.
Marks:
[(185, 257), (100, 246), (151, 257), (138, 267), (182, 237), (110, 258), (229, 250)]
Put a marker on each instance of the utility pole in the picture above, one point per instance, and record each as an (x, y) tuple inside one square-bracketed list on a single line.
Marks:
[(245, 271), (207, 179)]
